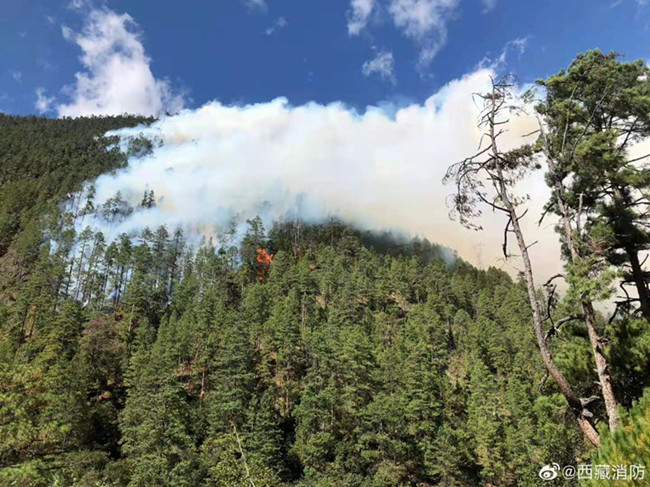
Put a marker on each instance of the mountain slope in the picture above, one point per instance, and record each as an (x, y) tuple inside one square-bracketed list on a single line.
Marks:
[(303, 355)]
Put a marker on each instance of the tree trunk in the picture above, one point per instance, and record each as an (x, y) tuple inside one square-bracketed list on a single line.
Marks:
[(604, 378), (79, 270), (572, 399), (602, 367), (625, 227), (589, 432), (639, 281)]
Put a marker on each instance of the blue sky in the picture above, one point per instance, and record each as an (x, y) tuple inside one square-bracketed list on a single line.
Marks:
[(246, 51)]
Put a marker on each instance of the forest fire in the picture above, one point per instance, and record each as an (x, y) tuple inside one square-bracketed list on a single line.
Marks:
[(394, 343), (264, 261)]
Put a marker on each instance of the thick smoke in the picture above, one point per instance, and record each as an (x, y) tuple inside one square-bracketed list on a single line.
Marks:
[(379, 170)]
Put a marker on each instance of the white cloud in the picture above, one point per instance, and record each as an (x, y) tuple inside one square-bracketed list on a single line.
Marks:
[(43, 102), (358, 15), (79, 4), (378, 170), (46, 65), (640, 3), (117, 77), (519, 45), (279, 24), (382, 64), (256, 4), (425, 21), (489, 5), (4, 97), (17, 76)]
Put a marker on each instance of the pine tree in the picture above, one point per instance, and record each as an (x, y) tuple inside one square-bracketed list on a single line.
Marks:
[(594, 111), (155, 424), (627, 447)]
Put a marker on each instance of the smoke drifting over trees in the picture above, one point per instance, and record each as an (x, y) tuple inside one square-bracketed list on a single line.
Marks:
[(297, 348), (378, 170)]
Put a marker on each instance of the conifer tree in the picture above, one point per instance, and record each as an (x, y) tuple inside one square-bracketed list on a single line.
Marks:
[(502, 170)]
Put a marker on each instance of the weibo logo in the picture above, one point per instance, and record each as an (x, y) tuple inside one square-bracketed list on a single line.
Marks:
[(549, 472)]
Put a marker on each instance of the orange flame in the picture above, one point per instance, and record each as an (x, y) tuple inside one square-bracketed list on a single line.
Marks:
[(264, 261)]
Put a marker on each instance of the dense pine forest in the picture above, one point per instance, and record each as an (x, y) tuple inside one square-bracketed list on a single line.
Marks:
[(317, 354)]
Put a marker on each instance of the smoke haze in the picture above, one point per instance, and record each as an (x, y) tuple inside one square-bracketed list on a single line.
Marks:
[(379, 170)]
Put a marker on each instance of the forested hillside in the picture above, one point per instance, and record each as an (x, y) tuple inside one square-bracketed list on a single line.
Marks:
[(336, 365), (42, 162), (304, 354)]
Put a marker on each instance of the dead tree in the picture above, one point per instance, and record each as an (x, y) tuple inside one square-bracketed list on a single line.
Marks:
[(488, 178)]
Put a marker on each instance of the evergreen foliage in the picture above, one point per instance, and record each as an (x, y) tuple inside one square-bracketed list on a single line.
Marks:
[(344, 365), (344, 358)]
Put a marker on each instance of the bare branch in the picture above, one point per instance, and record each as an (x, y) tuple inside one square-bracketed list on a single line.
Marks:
[(638, 158), (505, 238), (552, 278)]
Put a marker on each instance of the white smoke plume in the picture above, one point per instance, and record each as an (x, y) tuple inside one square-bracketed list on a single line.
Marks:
[(381, 169)]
